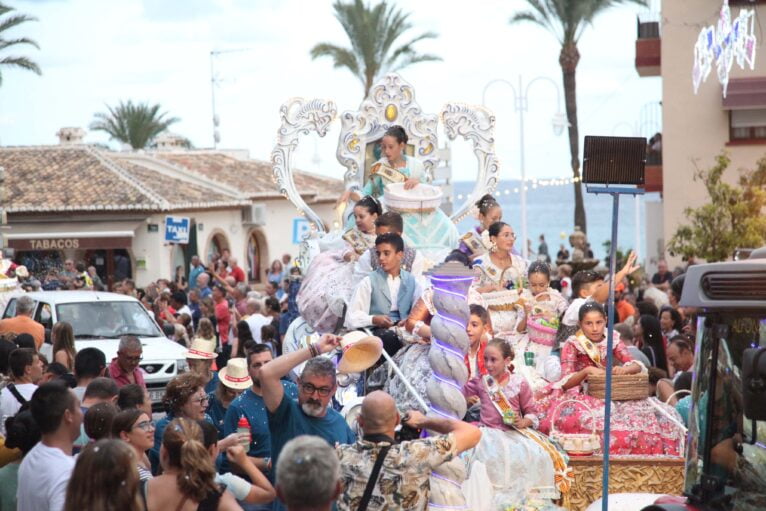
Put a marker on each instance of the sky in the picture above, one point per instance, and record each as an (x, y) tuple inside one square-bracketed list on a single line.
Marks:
[(95, 53)]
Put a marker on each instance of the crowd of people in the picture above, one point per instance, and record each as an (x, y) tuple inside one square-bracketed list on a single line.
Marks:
[(255, 424)]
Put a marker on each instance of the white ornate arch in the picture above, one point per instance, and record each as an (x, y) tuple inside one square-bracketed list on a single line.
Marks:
[(391, 101), (299, 117), (475, 124)]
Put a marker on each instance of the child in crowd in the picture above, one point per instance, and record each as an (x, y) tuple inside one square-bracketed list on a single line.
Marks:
[(384, 297), (518, 460), (479, 329), (544, 307), (564, 272), (268, 337), (506, 398), (589, 285), (490, 212)]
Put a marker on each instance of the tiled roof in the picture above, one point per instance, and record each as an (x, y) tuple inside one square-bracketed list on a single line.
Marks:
[(252, 177), (82, 178)]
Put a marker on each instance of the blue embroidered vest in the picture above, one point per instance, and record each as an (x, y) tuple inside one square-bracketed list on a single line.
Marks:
[(380, 299)]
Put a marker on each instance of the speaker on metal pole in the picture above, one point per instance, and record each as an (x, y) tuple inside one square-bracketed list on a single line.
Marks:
[(614, 160)]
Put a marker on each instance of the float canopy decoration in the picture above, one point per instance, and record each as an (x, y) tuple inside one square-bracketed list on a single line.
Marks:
[(724, 43)]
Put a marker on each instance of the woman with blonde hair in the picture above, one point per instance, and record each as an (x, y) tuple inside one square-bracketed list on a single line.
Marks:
[(64, 351), (104, 478), (188, 479)]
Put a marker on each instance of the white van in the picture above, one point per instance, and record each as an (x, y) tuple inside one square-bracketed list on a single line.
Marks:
[(99, 319)]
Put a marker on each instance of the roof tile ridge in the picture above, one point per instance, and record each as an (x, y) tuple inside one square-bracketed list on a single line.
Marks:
[(192, 176), (123, 174)]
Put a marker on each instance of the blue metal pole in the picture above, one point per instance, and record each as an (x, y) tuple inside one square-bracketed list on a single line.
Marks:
[(609, 356)]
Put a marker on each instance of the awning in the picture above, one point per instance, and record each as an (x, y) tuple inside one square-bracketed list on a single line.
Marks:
[(71, 235), (745, 94)]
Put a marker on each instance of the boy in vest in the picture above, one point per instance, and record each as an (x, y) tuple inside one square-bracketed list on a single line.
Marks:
[(412, 261), (385, 296)]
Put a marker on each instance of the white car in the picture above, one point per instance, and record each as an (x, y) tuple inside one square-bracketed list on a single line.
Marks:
[(99, 319)]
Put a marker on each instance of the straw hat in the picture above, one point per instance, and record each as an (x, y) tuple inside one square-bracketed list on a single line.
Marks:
[(202, 349), (235, 375), (22, 272), (360, 352)]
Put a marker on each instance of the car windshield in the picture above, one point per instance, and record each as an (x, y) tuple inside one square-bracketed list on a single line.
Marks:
[(93, 320), (717, 417)]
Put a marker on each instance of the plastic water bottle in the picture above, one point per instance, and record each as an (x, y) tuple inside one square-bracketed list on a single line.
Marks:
[(243, 426)]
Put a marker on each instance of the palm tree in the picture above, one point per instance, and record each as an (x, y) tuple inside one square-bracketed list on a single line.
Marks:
[(567, 19), (136, 125), (372, 32), (6, 24)]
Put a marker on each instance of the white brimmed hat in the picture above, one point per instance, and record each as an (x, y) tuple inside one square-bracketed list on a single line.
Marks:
[(235, 375), (202, 349), (360, 352)]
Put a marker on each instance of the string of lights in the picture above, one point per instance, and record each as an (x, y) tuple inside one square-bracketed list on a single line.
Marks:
[(533, 184)]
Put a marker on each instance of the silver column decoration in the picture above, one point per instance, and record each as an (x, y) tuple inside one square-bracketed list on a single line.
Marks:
[(449, 344)]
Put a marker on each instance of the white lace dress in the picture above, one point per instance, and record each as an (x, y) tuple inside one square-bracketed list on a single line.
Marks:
[(328, 285), (505, 307)]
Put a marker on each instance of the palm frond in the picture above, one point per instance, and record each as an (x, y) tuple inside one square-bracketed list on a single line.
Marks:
[(373, 32), (408, 48), (342, 57), (13, 21), (7, 43), (415, 59), (134, 124), (21, 62)]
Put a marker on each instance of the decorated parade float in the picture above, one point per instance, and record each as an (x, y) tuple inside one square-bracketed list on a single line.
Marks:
[(510, 469)]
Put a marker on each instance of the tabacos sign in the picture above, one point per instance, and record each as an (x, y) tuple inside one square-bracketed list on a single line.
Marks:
[(54, 244), (177, 229)]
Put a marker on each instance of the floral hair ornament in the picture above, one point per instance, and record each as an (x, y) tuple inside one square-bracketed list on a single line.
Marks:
[(491, 245)]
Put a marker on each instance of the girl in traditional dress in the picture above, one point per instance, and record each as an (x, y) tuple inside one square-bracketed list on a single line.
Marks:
[(640, 427), (500, 279), (518, 460), (329, 283), (432, 230), (490, 212), (544, 307)]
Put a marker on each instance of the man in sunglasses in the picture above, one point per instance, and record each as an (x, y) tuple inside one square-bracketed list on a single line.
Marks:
[(312, 413)]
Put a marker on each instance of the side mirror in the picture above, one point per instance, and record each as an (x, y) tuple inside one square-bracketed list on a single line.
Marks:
[(754, 383)]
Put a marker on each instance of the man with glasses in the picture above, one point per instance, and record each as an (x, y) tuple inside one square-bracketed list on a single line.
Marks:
[(312, 413), (124, 367)]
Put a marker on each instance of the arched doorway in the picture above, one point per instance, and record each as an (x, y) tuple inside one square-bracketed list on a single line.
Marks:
[(216, 245), (255, 255)]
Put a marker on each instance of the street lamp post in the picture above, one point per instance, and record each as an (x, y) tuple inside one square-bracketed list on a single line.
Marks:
[(521, 105)]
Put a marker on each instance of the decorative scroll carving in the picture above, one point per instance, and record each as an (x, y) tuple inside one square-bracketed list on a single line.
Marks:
[(475, 124), (299, 117), (628, 475), (391, 101)]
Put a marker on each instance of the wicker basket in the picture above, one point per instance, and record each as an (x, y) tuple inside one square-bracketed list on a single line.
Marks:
[(541, 334), (625, 387), (576, 444)]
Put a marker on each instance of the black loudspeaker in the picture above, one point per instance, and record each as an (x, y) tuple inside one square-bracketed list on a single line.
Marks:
[(754, 383), (614, 160)]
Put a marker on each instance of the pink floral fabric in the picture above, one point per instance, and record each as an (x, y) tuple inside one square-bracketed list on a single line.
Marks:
[(637, 427)]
